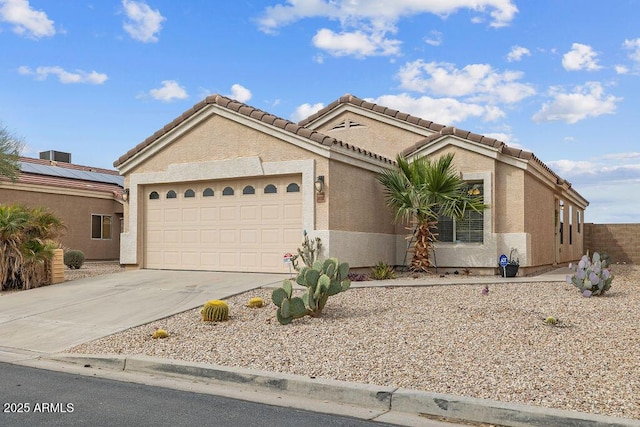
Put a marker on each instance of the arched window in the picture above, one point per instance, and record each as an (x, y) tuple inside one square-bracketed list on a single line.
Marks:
[(171, 194), (293, 188), (248, 190), (270, 189), (189, 193), (154, 195), (208, 192), (228, 191)]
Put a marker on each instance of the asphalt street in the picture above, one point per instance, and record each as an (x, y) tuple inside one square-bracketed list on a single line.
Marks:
[(37, 397)]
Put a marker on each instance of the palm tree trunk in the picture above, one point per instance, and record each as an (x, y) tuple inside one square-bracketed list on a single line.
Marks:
[(424, 237)]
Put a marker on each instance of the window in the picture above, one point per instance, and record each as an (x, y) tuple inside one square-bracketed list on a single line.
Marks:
[(561, 231), (270, 189), (571, 225), (578, 221), (154, 195), (189, 193), (228, 191), (208, 192), (293, 188), (248, 190), (101, 227), (468, 229), (171, 194)]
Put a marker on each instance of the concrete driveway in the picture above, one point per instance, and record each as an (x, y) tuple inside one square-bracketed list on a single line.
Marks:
[(53, 318)]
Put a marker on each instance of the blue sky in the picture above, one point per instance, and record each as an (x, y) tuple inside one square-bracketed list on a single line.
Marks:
[(558, 78)]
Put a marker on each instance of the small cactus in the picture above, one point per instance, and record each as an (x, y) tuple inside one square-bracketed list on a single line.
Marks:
[(160, 333), (215, 311), (550, 321), (256, 302), (591, 276)]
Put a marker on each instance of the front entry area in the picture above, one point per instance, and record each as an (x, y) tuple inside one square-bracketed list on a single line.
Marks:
[(223, 225)]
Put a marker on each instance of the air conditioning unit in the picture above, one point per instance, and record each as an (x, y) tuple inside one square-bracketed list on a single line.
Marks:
[(56, 156)]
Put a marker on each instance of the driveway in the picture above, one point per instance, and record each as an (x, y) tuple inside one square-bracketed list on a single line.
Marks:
[(53, 318)]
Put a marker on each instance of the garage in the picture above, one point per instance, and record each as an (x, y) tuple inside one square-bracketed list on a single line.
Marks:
[(223, 225)]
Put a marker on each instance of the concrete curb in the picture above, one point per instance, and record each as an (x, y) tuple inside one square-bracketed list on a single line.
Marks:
[(379, 398)]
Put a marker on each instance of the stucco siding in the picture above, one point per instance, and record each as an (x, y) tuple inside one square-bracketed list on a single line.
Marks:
[(355, 201), (75, 211), (370, 134), (539, 221), (217, 138)]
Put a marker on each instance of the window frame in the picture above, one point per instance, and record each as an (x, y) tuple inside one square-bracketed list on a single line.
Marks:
[(101, 225)]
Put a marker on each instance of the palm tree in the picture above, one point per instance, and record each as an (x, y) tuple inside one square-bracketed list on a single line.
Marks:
[(27, 240), (421, 191), (10, 147)]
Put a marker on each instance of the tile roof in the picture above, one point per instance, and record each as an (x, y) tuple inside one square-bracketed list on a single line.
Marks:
[(358, 102), (246, 110), (489, 142)]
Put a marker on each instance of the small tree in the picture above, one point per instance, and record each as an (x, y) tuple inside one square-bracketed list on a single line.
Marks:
[(27, 240), (10, 148), (421, 190)]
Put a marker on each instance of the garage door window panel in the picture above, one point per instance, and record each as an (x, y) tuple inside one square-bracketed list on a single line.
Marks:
[(208, 192), (172, 194), (189, 193), (248, 190), (228, 191), (154, 195), (270, 189), (293, 188)]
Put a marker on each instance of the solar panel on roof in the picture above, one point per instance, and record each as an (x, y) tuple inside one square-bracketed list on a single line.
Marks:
[(71, 173)]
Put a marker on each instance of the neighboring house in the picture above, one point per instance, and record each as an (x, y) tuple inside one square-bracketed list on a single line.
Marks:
[(88, 200), (228, 187)]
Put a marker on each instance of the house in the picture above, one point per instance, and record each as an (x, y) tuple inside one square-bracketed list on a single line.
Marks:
[(229, 187), (88, 200)]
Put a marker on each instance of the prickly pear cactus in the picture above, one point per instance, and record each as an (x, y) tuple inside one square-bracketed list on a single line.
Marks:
[(215, 311), (591, 276), (322, 280)]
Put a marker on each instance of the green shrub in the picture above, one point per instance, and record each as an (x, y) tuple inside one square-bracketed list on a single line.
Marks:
[(383, 271), (73, 259)]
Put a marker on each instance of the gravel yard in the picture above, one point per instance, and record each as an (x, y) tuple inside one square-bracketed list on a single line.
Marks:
[(445, 339)]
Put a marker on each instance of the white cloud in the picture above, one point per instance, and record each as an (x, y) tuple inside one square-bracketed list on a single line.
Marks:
[(435, 38), (77, 76), (588, 100), (357, 43), (580, 57), (305, 110), (479, 82), (447, 111), (517, 52), (606, 182), (634, 47), (366, 23), (240, 93), (169, 91), (621, 69), (143, 23), (25, 20)]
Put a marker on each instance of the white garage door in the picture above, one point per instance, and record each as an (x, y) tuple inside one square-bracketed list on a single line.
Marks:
[(229, 225)]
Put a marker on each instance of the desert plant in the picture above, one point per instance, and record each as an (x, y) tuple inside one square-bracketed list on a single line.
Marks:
[(358, 277), (215, 311), (160, 333), (383, 271), (550, 320), (308, 253), (421, 191), (255, 302), (74, 259), (27, 242), (591, 276), (322, 280)]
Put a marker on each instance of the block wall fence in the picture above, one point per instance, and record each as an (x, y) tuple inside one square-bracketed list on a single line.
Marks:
[(620, 241)]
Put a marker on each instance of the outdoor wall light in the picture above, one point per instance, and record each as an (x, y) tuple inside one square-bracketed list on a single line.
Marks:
[(125, 195), (319, 184)]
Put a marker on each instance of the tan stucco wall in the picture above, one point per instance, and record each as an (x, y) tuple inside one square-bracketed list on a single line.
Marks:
[(356, 201), (374, 136), (509, 199), (218, 138), (75, 212), (539, 221)]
